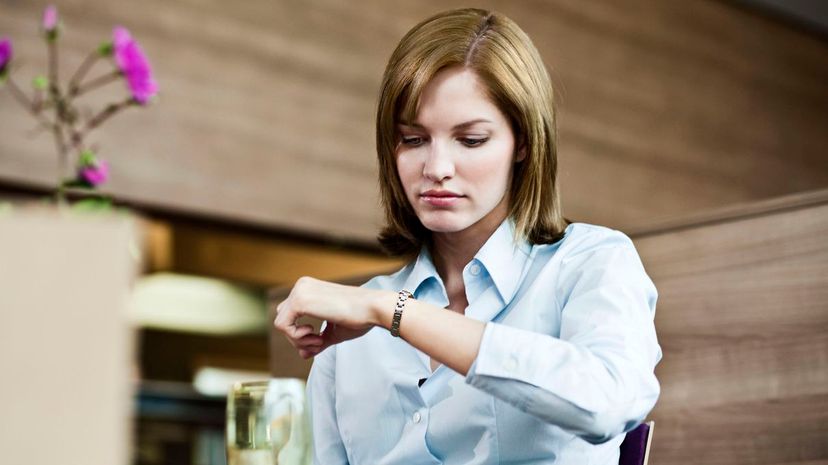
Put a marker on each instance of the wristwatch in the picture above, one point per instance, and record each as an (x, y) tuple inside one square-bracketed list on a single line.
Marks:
[(402, 297)]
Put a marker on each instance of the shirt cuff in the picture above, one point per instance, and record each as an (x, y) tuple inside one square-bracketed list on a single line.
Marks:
[(496, 356)]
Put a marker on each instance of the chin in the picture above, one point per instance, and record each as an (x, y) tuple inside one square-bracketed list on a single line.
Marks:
[(445, 222)]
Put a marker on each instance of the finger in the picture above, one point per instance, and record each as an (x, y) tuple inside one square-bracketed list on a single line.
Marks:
[(310, 340), (298, 332), (306, 341), (303, 343), (308, 353), (280, 316), (285, 319)]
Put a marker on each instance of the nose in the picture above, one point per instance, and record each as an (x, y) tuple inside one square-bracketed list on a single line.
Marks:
[(439, 164)]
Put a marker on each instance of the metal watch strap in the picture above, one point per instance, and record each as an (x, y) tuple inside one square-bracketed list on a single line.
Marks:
[(402, 296)]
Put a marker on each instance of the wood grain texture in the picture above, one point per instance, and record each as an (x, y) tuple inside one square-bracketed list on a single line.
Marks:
[(790, 431), (266, 108), (268, 261), (743, 322)]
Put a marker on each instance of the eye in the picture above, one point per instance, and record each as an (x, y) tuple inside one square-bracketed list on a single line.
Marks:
[(412, 141), (474, 142)]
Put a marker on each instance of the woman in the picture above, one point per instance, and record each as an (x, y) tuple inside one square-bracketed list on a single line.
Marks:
[(510, 336)]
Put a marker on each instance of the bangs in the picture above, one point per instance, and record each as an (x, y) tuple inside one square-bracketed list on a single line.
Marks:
[(416, 70)]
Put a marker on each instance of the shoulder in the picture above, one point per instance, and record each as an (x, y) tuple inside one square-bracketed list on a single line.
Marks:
[(588, 246), (600, 255), (583, 239)]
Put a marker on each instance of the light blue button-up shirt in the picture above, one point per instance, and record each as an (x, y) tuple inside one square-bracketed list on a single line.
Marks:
[(565, 365)]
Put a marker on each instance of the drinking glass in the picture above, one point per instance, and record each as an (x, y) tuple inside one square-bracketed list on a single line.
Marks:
[(267, 423)]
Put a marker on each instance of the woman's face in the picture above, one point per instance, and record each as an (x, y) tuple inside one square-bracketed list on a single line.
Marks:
[(455, 161)]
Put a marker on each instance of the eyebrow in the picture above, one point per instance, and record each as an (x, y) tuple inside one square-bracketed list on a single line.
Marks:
[(454, 128)]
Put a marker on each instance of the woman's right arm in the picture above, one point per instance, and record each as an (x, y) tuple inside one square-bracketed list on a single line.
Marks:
[(328, 448)]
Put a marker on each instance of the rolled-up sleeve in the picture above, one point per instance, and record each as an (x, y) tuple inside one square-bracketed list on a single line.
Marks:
[(597, 378), (328, 448)]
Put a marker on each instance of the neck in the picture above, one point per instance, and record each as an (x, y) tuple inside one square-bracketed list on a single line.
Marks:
[(452, 251)]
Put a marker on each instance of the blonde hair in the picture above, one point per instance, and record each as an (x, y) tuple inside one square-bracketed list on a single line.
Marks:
[(516, 80)]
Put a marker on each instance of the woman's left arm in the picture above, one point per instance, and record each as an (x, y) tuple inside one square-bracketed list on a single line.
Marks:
[(596, 377)]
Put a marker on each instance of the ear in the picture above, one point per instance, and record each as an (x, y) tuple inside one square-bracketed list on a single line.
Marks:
[(520, 154)]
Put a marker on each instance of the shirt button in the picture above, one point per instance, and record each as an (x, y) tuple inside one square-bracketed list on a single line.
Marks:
[(474, 269), (416, 417), (511, 363)]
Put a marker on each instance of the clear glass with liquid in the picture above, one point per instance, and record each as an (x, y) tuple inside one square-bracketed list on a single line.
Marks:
[(267, 423)]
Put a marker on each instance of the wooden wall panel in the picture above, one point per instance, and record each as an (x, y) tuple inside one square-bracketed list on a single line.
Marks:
[(265, 260), (266, 108), (743, 322)]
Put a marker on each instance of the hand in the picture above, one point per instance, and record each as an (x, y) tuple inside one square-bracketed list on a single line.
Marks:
[(348, 311)]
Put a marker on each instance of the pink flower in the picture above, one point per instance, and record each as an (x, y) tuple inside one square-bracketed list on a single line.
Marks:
[(95, 174), (133, 63), (50, 18), (5, 54)]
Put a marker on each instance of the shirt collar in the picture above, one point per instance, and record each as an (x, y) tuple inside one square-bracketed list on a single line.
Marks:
[(503, 255), (422, 271)]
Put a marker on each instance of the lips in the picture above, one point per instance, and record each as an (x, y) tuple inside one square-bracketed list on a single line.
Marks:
[(440, 198), (439, 193)]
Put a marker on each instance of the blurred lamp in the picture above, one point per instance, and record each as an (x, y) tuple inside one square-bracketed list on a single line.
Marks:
[(196, 304)]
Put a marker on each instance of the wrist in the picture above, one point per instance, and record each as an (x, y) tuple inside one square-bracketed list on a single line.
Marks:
[(382, 308)]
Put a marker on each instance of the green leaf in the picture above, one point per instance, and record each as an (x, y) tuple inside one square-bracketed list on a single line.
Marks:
[(40, 83), (87, 158), (105, 49), (76, 183), (97, 204)]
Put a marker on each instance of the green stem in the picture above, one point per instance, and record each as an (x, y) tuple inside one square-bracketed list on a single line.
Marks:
[(60, 119), (53, 64), (81, 72), (24, 101), (97, 82), (62, 162), (109, 111)]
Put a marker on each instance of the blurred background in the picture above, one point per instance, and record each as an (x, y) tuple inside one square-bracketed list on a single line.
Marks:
[(698, 128)]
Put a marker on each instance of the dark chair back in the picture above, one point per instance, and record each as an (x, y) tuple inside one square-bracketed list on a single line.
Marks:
[(636, 446)]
